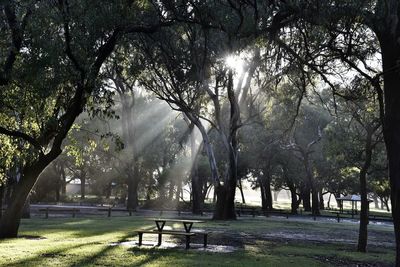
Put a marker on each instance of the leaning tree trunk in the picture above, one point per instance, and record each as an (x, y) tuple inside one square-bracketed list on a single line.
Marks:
[(241, 191), (10, 221)]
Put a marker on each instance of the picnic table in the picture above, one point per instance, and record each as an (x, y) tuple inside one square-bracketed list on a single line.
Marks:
[(187, 225)]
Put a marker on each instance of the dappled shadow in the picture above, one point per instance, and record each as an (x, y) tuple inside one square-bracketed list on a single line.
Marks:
[(32, 237), (152, 254), (41, 256), (84, 227), (108, 247), (102, 252)]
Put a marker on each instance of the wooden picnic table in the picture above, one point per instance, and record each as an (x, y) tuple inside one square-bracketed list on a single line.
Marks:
[(187, 224)]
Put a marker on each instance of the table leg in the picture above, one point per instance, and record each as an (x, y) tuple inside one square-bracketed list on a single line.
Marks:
[(160, 225), (159, 239), (188, 226), (187, 241), (140, 238)]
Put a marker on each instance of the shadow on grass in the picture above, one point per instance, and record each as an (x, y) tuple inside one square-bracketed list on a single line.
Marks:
[(93, 258), (84, 227), (42, 255), (150, 255)]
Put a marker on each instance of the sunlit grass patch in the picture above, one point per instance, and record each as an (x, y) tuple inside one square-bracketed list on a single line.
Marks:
[(98, 241)]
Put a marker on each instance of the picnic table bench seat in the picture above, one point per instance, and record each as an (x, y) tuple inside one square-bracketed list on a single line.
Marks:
[(173, 232)]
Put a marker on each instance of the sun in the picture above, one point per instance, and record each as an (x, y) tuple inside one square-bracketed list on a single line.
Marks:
[(235, 63)]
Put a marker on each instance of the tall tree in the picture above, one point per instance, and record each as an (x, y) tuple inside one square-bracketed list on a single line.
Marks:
[(348, 25), (65, 44)]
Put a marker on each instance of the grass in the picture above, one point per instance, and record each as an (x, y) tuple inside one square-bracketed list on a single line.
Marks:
[(86, 242)]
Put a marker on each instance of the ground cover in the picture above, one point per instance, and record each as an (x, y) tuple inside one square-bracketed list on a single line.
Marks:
[(257, 241)]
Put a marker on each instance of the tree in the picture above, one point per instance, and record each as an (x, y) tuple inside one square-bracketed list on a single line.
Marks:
[(53, 81), (357, 136), (124, 84), (346, 24)]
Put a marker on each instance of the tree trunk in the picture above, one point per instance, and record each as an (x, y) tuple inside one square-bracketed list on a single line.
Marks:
[(387, 205), (315, 201), (241, 191), (294, 202), (311, 184), (1, 200), (132, 202), (263, 196), (83, 185), (321, 200), (305, 196), (225, 206), (63, 183), (9, 223), (197, 199), (178, 193), (108, 190), (363, 232), (329, 201), (197, 204), (266, 193), (57, 189), (390, 49), (171, 190)]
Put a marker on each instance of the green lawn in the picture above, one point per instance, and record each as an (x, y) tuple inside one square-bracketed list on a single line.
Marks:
[(86, 242)]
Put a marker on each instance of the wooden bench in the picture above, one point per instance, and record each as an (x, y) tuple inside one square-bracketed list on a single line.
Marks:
[(48, 210), (247, 210), (169, 232), (110, 209)]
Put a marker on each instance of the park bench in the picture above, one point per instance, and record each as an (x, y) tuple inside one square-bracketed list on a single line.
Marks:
[(109, 210), (247, 210), (47, 211)]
